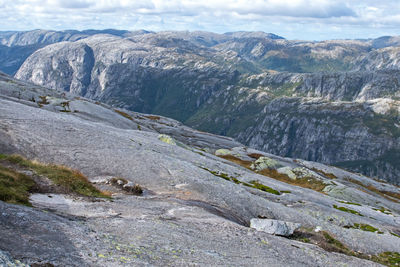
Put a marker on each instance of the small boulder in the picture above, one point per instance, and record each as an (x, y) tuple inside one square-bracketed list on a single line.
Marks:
[(265, 163), (288, 171), (120, 182), (318, 229), (274, 227)]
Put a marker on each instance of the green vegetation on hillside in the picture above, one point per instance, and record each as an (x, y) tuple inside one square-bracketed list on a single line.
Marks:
[(253, 184), (347, 210), (328, 242), (15, 187)]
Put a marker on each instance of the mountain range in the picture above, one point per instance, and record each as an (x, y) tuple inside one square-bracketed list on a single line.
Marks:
[(334, 102)]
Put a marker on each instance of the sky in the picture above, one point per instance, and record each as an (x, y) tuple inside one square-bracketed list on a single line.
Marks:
[(292, 19)]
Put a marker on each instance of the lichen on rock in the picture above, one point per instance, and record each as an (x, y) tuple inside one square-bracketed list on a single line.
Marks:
[(302, 172), (265, 163), (223, 152), (166, 139)]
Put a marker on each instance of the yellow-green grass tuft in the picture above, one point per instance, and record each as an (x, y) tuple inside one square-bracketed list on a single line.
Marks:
[(72, 181)]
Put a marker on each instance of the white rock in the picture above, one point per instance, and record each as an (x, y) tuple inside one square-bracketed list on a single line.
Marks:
[(288, 171), (265, 163), (318, 229), (274, 227)]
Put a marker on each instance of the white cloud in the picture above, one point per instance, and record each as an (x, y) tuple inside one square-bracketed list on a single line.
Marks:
[(302, 19)]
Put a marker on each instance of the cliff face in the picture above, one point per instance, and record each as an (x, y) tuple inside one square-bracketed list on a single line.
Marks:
[(16, 47), (348, 135), (362, 135), (158, 76), (232, 84)]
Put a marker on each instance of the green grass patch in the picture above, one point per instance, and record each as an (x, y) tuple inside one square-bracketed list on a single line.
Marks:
[(329, 243), (218, 174), (347, 210), (260, 186), (364, 227), (334, 244), (304, 240), (388, 258), (223, 176), (395, 234), (322, 239), (252, 184), (72, 181), (14, 186)]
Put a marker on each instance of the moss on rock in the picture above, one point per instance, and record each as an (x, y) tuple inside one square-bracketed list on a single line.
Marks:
[(347, 210), (364, 227), (15, 186)]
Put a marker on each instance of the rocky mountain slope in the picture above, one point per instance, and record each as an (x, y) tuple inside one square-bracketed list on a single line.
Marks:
[(265, 91), (312, 120), (199, 194), (16, 46)]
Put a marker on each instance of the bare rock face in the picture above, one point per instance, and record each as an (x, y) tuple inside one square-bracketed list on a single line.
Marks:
[(195, 207), (77, 59), (385, 58), (274, 227), (16, 47), (359, 138)]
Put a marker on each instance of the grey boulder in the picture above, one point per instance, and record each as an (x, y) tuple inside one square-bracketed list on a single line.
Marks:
[(274, 227)]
